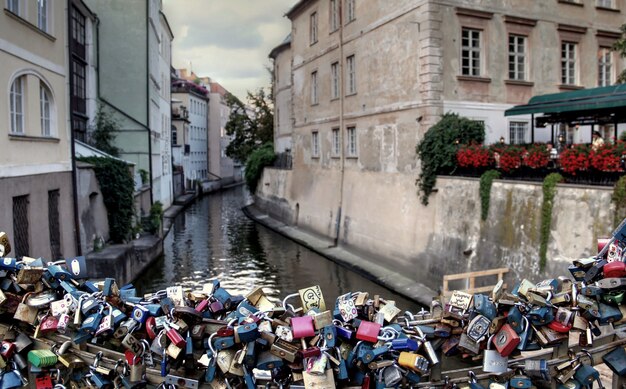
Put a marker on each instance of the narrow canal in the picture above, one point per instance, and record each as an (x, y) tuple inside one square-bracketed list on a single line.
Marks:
[(213, 239)]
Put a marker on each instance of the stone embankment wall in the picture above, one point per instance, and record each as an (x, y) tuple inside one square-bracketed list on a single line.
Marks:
[(448, 236)]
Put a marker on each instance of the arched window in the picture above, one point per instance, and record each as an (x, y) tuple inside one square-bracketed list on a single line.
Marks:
[(17, 105), (45, 101)]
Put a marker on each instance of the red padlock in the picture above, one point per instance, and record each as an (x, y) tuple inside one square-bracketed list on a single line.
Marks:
[(302, 327), (43, 382), (559, 327), (225, 331), (216, 307), (602, 243), (131, 358), (202, 305), (368, 331), (151, 329), (49, 324), (506, 340), (615, 269), (311, 352), (174, 336), (7, 349)]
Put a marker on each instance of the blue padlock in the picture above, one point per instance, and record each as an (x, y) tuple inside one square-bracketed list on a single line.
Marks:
[(90, 287), (223, 342), (99, 380), (540, 315), (620, 232), (81, 337), (367, 354), (10, 264), (484, 306), (223, 297), (245, 309), (140, 314), (608, 314), (67, 287), (107, 289), (344, 333), (268, 361), (515, 319), (330, 335), (405, 344), (167, 304), (577, 272), (209, 375), (154, 309), (249, 359), (77, 267), (342, 372), (247, 333), (91, 322), (118, 317), (52, 282), (59, 273)]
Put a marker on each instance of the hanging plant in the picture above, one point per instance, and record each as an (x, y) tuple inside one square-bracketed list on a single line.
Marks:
[(486, 181), (619, 199), (549, 190)]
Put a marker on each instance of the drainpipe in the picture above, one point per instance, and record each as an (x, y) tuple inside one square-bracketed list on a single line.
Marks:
[(341, 129), (79, 250), (148, 100)]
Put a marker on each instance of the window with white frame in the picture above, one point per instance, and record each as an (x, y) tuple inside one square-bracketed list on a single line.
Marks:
[(313, 28), (470, 52), (16, 98), (334, 80), (517, 57), (605, 76), (517, 132), (14, 6), (334, 15), (336, 142), (315, 144), (314, 95), (568, 63), (351, 79), (604, 3), (42, 14), (352, 141), (45, 102), (350, 11)]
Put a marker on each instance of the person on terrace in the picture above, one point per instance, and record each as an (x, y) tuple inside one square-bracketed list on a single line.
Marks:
[(597, 141)]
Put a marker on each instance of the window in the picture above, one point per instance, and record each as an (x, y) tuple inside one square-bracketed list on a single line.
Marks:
[(351, 80), (336, 142), (470, 52), (334, 79), (54, 227), (79, 94), (352, 152), (517, 57), (568, 63), (517, 132), (604, 66), (174, 136), (17, 105), (42, 14), (78, 27), (334, 15), (315, 144), (313, 28), (314, 97), (605, 3), (44, 103), (350, 14), (14, 6), (20, 226)]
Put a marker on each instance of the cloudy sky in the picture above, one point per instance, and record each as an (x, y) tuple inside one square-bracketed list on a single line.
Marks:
[(228, 40)]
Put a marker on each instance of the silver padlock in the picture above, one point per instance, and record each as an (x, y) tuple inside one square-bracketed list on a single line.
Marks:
[(392, 376), (493, 362)]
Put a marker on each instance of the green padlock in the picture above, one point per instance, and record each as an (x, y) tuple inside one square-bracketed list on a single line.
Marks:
[(42, 358), (614, 297)]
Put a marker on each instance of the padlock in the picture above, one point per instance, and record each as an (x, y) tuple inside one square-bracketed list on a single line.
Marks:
[(392, 376), (608, 314), (526, 335), (368, 331), (246, 333), (268, 361), (92, 322), (521, 381), (283, 332), (284, 350), (131, 343), (587, 374), (317, 365), (616, 361), (25, 312), (514, 319), (540, 315), (615, 269), (322, 319), (506, 340), (493, 362), (174, 336), (549, 337), (595, 270), (467, 345), (326, 381), (614, 297), (537, 368), (478, 328), (48, 324)]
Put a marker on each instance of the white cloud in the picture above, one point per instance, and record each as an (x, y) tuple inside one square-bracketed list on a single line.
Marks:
[(228, 40)]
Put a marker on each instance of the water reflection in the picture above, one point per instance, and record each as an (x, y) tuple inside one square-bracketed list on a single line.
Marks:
[(214, 239)]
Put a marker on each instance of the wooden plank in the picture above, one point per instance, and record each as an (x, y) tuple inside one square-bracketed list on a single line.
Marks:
[(480, 273)]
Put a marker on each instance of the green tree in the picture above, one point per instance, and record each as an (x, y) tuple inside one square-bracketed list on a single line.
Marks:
[(102, 132), (437, 150), (620, 47), (251, 125)]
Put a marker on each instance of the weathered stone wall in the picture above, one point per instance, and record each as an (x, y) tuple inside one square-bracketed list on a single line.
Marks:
[(447, 236)]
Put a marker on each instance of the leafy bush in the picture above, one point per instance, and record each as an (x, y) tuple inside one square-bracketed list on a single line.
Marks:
[(437, 150), (153, 222), (575, 159), (537, 156), (117, 187), (608, 157), (511, 158), (102, 132), (474, 156), (549, 190), (486, 181), (261, 157)]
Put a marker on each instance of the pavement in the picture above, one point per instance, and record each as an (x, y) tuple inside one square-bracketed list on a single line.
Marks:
[(363, 265)]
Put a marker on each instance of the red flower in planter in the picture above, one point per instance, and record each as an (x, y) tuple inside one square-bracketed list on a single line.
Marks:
[(473, 156), (575, 159), (606, 158), (537, 156), (511, 158)]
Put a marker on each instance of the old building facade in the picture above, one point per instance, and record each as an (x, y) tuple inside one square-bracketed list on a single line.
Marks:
[(35, 165), (283, 118), (368, 81)]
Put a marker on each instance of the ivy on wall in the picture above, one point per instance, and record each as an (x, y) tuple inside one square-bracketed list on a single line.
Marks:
[(486, 181), (261, 157), (619, 199), (117, 186), (549, 190)]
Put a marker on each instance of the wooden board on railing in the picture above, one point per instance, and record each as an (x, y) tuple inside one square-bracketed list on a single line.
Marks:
[(471, 277)]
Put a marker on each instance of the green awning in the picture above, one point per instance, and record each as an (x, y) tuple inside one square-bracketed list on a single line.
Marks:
[(584, 100)]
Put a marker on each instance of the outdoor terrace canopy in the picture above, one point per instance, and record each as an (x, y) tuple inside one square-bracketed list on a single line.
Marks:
[(603, 105)]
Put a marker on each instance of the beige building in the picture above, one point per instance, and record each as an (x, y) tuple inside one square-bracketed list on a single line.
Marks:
[(283, 118), (369, 78), (35, 163)]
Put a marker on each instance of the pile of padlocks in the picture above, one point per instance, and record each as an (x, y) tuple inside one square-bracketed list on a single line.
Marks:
[(210, 336)]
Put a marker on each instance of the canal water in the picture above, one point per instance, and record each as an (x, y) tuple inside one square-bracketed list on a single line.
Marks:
[(213, 239)]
